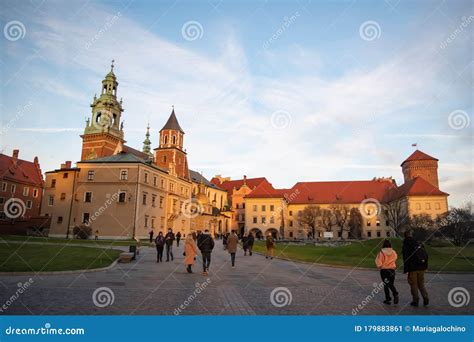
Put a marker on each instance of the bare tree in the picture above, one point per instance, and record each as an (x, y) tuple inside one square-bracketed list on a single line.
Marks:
[(355, 224), (327, 219), (308, 217), (459, 225), (341, 214), (396, 215), (421, 225)]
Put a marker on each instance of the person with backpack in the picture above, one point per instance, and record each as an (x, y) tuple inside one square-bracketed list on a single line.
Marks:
[(386, 262), (270, 244), (169, 238), (415, 263), (232, 242), (206, 245), (160, 244), (178, 237), (190, 252), (245, 243), (250, 241)]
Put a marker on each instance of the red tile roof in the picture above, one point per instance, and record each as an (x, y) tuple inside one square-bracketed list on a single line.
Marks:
[(418, 155), (417, 186), (22, 171), (230, 185)]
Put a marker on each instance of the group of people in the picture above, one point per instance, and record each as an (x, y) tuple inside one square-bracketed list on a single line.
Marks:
[(415, 263), (163, 242)]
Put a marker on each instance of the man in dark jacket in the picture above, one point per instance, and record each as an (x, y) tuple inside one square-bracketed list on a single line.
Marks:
[(169, 238), (205, 244), (250, 241), (160, 244), (178, 237), (415, 263)]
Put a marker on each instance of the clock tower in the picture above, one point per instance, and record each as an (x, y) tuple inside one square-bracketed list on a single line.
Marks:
[(103, 134)]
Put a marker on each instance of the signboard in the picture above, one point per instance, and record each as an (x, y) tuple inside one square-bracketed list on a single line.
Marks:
[(328, 235)]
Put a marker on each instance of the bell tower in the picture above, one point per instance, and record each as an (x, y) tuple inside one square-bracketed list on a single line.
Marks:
[(103, 133), (170, 154)]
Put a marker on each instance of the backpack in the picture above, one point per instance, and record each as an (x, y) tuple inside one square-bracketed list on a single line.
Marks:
[(420, 257)]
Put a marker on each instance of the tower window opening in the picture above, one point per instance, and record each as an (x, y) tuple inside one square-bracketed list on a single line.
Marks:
[(166, 139), (173, 140)]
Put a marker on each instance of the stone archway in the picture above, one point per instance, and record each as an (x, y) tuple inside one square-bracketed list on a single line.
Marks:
[(272, 231), (257, 233)]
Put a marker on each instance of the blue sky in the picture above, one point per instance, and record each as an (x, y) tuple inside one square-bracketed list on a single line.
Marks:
[(290, 90)]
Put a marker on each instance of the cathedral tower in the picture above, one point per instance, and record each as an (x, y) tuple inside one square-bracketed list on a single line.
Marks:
[(419, 164), (170, 154), (103, 134)]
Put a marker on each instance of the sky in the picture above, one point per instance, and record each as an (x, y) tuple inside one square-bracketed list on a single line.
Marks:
[(290, 90)]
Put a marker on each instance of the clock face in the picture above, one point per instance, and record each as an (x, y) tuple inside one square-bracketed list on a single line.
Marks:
[(103, 119)]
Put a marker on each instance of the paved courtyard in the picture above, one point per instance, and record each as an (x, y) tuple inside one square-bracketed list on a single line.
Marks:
[(147, 288)]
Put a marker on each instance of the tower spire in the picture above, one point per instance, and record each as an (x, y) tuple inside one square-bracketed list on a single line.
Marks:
[(147, 142)]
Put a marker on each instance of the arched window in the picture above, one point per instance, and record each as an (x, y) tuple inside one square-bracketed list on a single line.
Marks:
[(166, 139), (173, 140)]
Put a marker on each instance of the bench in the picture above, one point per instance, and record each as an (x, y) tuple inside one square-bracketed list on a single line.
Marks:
[(126, 257)]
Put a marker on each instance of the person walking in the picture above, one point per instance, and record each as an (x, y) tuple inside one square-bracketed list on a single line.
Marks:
[(205, 244), (96, 235), (232, 242), (270, 243), (169, 238), (160, 244), (250, 241), (386, 262), (245, 243), (415, 263), (178, 237), (224, 240), (190, 252), (151, 233)]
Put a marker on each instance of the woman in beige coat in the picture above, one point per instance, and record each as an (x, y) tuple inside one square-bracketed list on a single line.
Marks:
[(232, 242), (190, 252)]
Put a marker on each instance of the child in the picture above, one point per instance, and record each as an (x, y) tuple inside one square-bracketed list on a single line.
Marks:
[(386, 261)]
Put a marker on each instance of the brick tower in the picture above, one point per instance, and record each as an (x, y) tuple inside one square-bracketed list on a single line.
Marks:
[(422, 165), (104, 132)]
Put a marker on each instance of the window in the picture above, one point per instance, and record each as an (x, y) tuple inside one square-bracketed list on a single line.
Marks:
[(243, 204), (254, 220), (427, 206), (291, 234), (264, 207), (26, 191), (418, 206), (369, 223), (369, 234), (272, 208), (60, 220), (35, 192), (173, 139), (4, 186), (163, 183), (264, 219), (122, 196), (272, 219), (164, 159), (90, 175), (161, 201), (146, 221), (290, 213), (85, 218), (154, 180), (13, 188), (237, 206), (62, 197), (339, 234), (387, 223), (377, 223), (290, 223), (123, 174), (144, 198), (379, 234), (437, 206), (153, 200), (29, 204), (152, 222), (51, 200), (88, 197), (171, 186), (65, 175), (254, 207), (388, 234), (145, 177)]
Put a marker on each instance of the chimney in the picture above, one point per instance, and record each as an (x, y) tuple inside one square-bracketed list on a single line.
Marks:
[(15, 156), (245, 179), (66, 165)]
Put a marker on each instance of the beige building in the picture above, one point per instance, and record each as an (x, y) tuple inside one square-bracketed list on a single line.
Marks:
[(276, 211)]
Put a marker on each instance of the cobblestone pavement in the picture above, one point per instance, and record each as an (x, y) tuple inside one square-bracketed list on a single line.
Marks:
[(257, 286)]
